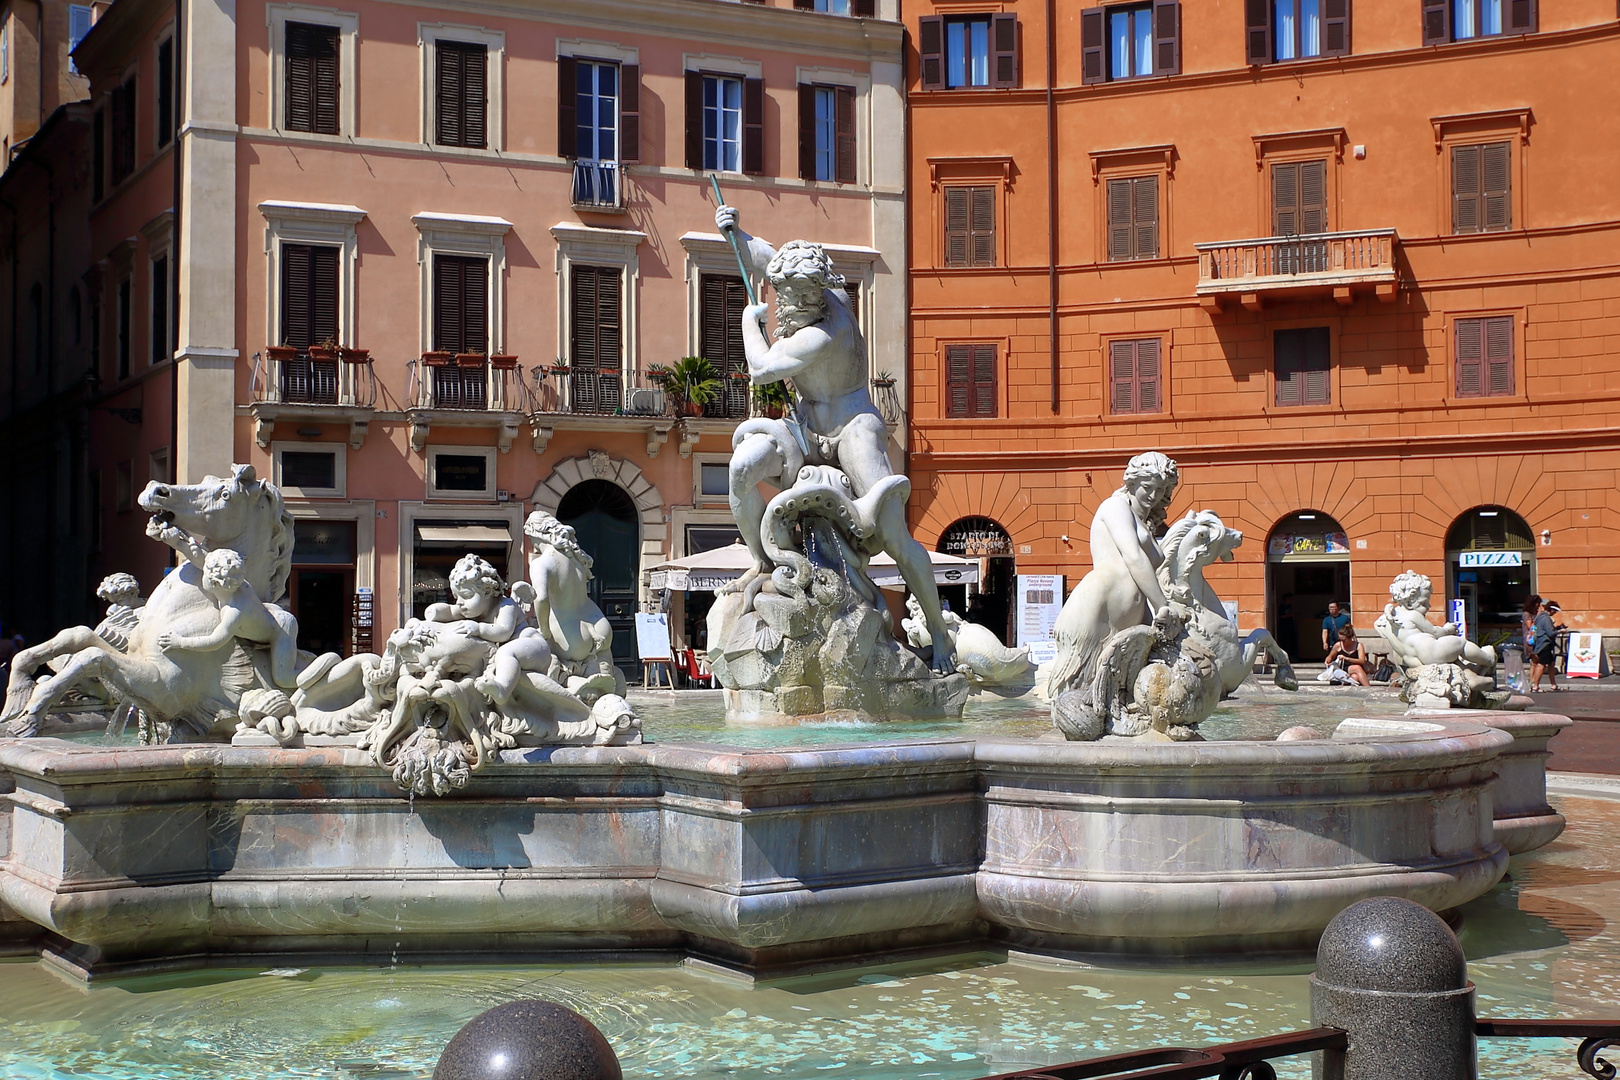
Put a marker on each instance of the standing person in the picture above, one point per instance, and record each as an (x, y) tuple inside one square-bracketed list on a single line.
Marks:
[(1332, 624), (1542, 641)]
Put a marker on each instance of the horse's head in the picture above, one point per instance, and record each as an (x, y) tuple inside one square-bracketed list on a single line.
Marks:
[(239, 511), (1193, 543)]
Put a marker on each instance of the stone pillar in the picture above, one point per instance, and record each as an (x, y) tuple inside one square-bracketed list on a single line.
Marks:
[(1391, 974)]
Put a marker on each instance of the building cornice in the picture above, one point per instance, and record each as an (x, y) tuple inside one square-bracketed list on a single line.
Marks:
[(708, 21)]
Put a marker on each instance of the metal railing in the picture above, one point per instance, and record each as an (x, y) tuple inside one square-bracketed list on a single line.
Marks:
[(561, 389), (1367, 255), (290, 376), (470, 382), (598, 184)]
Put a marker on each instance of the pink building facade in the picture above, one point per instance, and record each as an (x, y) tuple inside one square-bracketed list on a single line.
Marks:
[(423, 259)]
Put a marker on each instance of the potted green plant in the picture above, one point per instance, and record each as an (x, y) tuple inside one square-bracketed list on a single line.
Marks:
[(882, 380), (772, 398), (691, 382)]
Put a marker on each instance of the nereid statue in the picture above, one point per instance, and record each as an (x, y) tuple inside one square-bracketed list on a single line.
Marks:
[(805, 631), (1144, 644), (207, 657), (980, 655)]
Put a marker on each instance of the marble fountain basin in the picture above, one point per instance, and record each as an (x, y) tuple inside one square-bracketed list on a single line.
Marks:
[(766, 860)]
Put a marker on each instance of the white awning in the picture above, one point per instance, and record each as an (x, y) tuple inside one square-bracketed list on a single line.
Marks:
[(464, 534)]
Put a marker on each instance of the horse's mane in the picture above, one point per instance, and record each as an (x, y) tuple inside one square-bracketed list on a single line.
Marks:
[(279, 543), (1178, 533)]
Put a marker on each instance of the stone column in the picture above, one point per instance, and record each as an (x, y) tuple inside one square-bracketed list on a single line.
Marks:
[(1391, 974)]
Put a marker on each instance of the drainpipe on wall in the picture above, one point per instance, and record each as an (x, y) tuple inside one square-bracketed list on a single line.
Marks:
[(1051, 198)]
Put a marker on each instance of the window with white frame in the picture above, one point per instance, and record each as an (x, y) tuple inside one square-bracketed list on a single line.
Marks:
[(461, 472), (596, 110), (79, 22), (311, 470), (312, 69), (722, 123), (312, 252), (463, 85)]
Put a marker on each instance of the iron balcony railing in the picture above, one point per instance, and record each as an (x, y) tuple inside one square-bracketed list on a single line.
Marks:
[(340, 376), (597, 185), (1339, 258), (475, 382), (584, 391)]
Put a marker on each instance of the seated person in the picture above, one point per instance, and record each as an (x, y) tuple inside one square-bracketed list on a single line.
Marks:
[(242, 615), (1346, 661)]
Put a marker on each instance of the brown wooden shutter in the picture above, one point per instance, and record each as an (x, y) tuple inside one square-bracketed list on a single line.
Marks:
[(1499, 355), (807, 132), (1465, 189), (609, 337), (1149, 399), (852, 296), (1093, 46), (1289, 362), (1318, 366), (1257, 31), (1166, 37), (753, 134), (1313, 196), (1335, 27), (984, 380), (449, 95), (295, 274), (931, 51), (1120, 233), (844, 134), (460, 304), (323, 295), (583, 344), (1004, 51), (1495, 172), (958, 379), (1522, 16), (630, 113), (476, 67), (1436, 22), (567, 107), (982, 223), (298, 80), (1470, 357), (1145, 217), (1121, 377), (956, 226), (694, 120), (325, 41), (863, 9), (1285, 199)]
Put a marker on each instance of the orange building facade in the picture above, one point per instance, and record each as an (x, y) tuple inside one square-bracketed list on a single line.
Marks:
[(1350, 263)]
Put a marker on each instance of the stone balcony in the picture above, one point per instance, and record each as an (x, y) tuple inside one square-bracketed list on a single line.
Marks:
[(314, 385), (1337, 264)]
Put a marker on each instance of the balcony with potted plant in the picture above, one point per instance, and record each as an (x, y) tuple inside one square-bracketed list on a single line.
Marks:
[(324, 383), (467, 389)]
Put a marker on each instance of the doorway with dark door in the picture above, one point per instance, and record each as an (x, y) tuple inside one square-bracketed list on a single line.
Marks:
[(1307, 568), (321, 588), (991, 605), (606, 524)]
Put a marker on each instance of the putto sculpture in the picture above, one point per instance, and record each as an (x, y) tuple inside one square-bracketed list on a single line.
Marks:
[(1441, 668), (979, 654), (209, 658), (805, 631), (1145, 648)]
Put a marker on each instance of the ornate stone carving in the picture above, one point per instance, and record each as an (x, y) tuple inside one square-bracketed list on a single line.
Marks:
[(601, 464), (1442, 668), (1144, 644), (805, 631), (979, 654)]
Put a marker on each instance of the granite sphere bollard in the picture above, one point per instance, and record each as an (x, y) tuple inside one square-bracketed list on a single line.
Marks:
[(528, 1040), (1391, 974)]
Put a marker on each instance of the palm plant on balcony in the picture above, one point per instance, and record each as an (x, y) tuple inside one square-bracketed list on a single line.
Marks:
[(771, 399), (691, 383)]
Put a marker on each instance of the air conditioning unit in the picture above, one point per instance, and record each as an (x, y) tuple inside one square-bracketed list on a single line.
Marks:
[(645, 401)]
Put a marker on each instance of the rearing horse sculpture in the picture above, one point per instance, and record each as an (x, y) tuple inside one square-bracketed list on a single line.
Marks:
[(196, 691)]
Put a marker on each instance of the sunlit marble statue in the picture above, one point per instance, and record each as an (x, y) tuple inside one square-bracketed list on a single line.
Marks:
[(805, 631), (1145, 648), (1441, 668), (979, 654)]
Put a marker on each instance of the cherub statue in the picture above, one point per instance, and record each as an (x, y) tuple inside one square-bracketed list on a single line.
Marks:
[(122, 595), (579, 635), (1415, 641), (978, 653), (241, 615)]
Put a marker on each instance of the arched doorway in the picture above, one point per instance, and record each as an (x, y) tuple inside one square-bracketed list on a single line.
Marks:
[(1307, 568), (991, 604), (605, 523), (1491, 568)]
